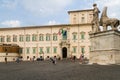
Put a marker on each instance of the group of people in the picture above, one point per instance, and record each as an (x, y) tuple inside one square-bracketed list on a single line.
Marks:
[(82, 59), (17, 60), (54, 59)]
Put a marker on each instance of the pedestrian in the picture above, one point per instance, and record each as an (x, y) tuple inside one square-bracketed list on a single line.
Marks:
[(33, 58), (6, 60), (81, 58), (53, 60), (30, 59), (74, 57), (17, 60)]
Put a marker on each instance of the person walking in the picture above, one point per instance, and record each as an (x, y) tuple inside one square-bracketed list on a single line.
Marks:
[(6, 60), (74, 58), (53, 60)]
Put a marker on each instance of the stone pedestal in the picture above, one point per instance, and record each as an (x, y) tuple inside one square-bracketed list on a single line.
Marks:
[(105, 47)]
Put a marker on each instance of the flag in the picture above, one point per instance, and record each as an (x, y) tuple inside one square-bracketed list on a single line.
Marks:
[(60, 32), (64, 33)]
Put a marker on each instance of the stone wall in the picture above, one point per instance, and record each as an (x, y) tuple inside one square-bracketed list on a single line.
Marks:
[(9, 56), (105, 47)]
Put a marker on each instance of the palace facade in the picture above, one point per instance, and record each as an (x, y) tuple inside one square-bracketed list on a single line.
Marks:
[(64, 40)]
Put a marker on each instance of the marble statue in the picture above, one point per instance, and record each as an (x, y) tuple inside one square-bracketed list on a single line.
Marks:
[(105, 21), (95, 21)]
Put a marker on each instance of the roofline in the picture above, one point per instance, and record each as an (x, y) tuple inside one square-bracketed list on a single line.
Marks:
[(79, 10), (43, 26)]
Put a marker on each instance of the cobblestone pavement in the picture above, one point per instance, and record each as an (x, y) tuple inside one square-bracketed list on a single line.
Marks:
[(63, 70)]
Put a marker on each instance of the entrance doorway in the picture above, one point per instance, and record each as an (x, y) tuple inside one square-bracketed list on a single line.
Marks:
[(64, 52)]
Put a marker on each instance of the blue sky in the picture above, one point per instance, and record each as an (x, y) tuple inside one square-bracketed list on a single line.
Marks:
[(15, 13)]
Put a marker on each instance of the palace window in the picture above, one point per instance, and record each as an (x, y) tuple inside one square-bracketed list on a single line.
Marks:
[(55, 50), (34, 37), (34, 50), (21, 50), (41, 37), (74, 49), (74, 36), (21, 37), (8, 38), (2, 39), (48, 49), (28, 50), (82, 35), (82, 19), (14, 38), (55, 37), (74, 20), (41, 50), (82, 49), (27, 38), (47, 37)]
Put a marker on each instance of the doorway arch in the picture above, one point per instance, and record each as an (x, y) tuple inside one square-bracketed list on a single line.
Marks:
[(64, 52)]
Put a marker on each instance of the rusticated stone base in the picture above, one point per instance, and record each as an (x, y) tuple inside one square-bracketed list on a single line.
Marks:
[(105, 47)]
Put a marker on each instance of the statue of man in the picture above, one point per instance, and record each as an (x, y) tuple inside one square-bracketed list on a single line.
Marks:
[(95, 22)]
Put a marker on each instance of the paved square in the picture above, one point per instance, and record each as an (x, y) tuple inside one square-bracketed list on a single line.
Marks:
[(64, 70)]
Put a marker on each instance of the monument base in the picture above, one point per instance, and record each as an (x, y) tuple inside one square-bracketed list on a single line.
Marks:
[(105, 47)]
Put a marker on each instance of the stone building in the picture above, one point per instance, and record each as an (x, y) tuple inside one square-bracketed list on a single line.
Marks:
[(64, 40)]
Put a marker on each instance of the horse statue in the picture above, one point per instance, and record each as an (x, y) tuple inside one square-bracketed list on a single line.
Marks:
[(105, 21)]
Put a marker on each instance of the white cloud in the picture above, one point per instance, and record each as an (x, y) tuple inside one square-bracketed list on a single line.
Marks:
[(10, 4), (45, 7), (11, 23), (52, 22)]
